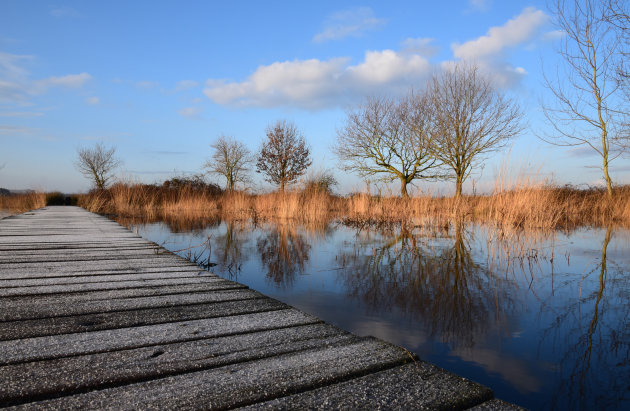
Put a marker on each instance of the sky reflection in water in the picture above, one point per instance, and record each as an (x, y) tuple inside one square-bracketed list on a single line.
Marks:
[(542, 319)]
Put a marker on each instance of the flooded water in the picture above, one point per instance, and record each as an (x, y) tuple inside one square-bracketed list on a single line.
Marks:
[(542, 319)]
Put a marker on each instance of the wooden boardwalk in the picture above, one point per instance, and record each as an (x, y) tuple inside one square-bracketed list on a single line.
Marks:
[(93, 316)]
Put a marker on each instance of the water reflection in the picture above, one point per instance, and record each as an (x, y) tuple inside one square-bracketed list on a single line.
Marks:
[(444, 287), (229, 248), (175, 224), (542, 318), (595, 333), (284, 252)]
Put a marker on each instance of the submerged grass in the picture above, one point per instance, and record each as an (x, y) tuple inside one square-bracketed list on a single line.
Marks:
[(521, 206)]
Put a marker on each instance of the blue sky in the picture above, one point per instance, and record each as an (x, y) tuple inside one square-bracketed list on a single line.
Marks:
[(161, 80)]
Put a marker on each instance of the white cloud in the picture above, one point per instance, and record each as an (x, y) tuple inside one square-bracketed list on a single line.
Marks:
[(584, 151), (315, 84), (190, 112), (301, 82), (554, 35), (186, 85), (481, 5), (93, 100), (10, 67), (420, 46), (13, 78), (146, 85), (502, 74), (346, 23), (6, 129), (388, 66), (16, 86), (488, 51), (21, 114), (12, 92), (71, 80), (516, 31)]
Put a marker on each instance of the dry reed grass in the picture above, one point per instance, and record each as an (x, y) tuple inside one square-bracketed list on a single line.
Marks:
[(19, 203), (520, 206)]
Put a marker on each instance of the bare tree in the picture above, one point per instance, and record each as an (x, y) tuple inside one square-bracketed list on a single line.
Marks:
[(284, 156), (389, 139), (617, 15), (472, 119), (231, 159), (588, 106), (97, 164)]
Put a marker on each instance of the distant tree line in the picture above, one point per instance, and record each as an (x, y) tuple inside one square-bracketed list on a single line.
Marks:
[(441, 132), (446, 129)]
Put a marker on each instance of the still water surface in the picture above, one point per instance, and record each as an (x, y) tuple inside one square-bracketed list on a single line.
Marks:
[(542, 319)]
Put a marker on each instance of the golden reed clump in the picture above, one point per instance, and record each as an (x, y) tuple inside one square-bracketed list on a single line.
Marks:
[(19, 203), (522, 206)]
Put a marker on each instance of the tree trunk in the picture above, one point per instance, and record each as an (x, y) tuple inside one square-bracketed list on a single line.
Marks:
[(458, 186), (282, 186), (607, 176), (230, 184), (604, 128), (403, 188)]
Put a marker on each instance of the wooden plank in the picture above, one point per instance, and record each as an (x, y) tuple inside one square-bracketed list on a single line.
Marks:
[(80, 255), (114, 285), (91, 306), (242, 383), (418, 385), (40, 272), (102, 278), (141, 317), (30, 381), (111, 265), (66, 345), (13, 303), (61, 261)]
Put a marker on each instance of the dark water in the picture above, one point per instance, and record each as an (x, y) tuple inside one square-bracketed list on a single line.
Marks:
[(542, 319)]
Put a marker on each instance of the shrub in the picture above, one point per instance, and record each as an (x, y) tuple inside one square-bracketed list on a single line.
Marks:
[(196, 182), (320, 182), (55, 198)]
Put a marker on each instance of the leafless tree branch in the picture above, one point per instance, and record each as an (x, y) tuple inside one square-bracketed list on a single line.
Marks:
[(284, 155), (589, 107), (472, 119), (230, 159), (97, 164), (390, 139)]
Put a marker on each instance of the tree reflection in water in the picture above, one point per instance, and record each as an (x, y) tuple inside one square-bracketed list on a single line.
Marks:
[(594, 328), (184, 225), (443, 287), (229, 249), (491, 295), (283, 253)]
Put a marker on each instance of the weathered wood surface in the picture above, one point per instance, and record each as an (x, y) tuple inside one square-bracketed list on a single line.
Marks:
[(93, 316)]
